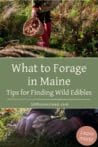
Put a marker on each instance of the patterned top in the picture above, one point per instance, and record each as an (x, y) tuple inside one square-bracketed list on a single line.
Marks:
[(38, 3)]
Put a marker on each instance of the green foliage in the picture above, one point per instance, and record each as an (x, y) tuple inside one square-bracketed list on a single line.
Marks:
[(28, 40), (1, 40), (11, 29), (2, 130), (79, 26)]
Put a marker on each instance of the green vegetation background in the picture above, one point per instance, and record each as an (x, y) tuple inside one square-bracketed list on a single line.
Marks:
[(74, 25)]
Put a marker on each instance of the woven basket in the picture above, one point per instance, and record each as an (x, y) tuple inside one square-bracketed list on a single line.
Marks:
[(33, 28)]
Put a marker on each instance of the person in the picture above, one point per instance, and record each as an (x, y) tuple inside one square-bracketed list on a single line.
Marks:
[(39, 9), (58, 127)]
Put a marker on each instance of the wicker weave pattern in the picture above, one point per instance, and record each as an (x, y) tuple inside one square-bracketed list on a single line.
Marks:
[(33, 28)]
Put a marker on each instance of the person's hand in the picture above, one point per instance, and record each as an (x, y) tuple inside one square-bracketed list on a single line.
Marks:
[(61, 128), (34, 13), (56, 128), (24, 126)]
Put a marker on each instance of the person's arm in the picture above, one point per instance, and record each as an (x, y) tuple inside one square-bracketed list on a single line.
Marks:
[(35, 8)]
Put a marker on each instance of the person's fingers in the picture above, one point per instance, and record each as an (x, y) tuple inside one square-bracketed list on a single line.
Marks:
[(34, 13), (29, 123), (20, 128)]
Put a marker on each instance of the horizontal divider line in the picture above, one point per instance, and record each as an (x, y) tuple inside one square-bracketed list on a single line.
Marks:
[(14, 99)]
